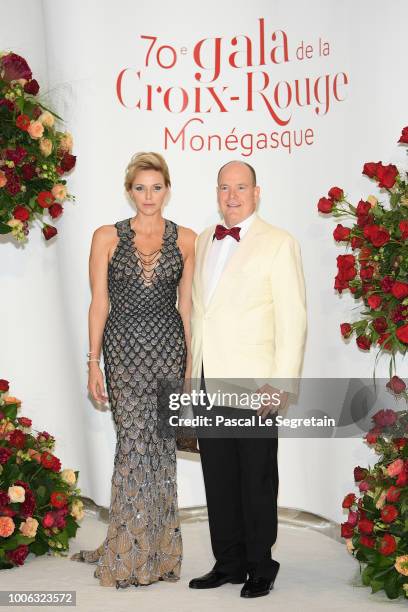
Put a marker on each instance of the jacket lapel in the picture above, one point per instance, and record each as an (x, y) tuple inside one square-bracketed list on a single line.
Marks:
[(235, 262)]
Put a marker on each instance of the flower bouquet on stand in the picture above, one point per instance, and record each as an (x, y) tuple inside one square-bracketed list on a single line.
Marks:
[(34, 155), (39, 503), (376, 530), (377, 270), (376, 273)]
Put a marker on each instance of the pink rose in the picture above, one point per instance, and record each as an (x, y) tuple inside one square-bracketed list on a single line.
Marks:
[(395, 468)]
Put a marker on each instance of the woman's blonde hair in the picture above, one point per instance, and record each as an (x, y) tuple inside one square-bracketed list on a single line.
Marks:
[(146, 161)]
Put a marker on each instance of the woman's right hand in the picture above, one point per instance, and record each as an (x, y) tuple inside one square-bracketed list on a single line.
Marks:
[(96, 386)]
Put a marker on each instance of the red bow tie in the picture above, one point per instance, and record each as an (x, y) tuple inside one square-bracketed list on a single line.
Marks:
[(221, 232)]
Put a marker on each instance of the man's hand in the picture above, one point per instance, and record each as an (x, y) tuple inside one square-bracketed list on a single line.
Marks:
[(277, 400)]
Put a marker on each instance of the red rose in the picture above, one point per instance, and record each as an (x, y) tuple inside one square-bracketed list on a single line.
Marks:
[(336, 194), (341, 233), (356, 242), (388, 544), (389, 514), (58, 499), (399, 290), (4, 385), (396, 385), (43, 436), (60, 522), (402, 479), (363, 342), (18, 555), (372, 435), (48, 520), (23, 122), (28, 171), (45, 199), (367, 272), (402, 333), (385, 418), (17, 438), (367, 541), (21, 213), (340, 284), (68, 162), (363, 208), (374, 301), (325, 205), (346, 329), (364, 220), (47, 460), (55, 210), (393, 494), (32, 87), (364, 486), (14, 67), (404, 135), (347, 530), (360, 473), (370, 169), (380, 325), (386, 175), (403, 225), (345, 265), (349, 500), (16, 155), (365, 526), (5, 454), (24, 421), (49, 231), (386, 284), (376, 234)]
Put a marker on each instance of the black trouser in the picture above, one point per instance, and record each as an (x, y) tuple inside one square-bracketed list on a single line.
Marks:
[(241, 482)]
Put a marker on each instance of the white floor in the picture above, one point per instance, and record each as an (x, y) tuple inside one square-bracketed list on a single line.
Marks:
[(316, 573)]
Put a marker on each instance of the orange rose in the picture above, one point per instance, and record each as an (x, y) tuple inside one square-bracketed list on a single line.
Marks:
[(12, 400), (6, 526), (35, 129)]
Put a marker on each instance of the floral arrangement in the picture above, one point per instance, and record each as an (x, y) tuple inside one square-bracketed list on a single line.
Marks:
[(34, 155), (376, 529), (377, 270), (39, 504)]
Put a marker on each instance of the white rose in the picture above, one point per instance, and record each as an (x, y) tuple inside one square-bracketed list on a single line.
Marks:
[(16, 494), (68, 476), (77, 510)]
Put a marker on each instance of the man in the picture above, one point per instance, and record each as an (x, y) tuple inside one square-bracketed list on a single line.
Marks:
[(248, 321)]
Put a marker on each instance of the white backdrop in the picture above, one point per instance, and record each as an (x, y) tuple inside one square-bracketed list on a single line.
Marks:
[(77, 50)]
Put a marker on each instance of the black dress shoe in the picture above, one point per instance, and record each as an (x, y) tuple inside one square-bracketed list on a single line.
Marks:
[(214, 579), (256, 587)]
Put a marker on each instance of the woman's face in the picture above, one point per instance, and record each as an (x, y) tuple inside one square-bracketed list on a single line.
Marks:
[(148, 191)]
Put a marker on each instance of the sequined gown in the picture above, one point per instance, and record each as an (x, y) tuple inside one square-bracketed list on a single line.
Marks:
[(143, 340)]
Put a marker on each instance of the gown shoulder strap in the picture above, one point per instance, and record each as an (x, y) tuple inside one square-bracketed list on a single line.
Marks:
[(123, 228)]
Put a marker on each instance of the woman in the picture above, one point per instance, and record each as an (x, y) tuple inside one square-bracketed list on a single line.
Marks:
[(141, 266)]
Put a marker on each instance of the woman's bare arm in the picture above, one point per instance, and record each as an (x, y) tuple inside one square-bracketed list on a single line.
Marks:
[(187, 247), (99, 307)]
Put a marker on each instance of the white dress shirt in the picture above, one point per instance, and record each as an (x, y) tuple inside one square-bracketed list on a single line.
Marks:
[(218, 256)]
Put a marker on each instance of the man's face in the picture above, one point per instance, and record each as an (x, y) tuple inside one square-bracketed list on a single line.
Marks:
[(237, 195)]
